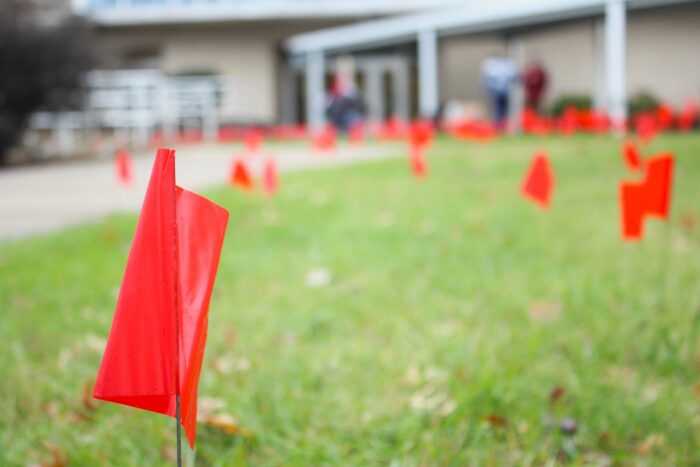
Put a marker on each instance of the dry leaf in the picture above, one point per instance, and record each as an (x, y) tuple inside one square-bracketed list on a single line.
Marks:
[(544, 311), (688, 221), (226, 423), (556, 394), (649, 443), (95, 343), (318, 277), (58, 458), (86, 396), (568, 426), (497, 421), (207, 406)]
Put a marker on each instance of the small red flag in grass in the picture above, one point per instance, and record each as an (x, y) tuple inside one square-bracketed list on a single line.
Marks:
[(538, 185), (156, 344), (240, 176), (123, 167), (324, 140), (270, 180), (648, 197), (419, 165), (631, 156)]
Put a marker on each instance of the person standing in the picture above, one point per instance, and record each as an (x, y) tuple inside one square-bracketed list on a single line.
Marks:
[(498, 74), (535, 82)]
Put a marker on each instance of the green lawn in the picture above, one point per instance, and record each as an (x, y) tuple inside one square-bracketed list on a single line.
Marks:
[(461, 325)]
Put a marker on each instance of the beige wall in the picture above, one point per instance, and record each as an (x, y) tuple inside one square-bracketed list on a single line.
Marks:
[(460, 63), (244, 55), (567, 53), (663, 53)]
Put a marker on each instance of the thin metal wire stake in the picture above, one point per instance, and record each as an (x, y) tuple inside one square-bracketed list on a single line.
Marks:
[(178, 421)]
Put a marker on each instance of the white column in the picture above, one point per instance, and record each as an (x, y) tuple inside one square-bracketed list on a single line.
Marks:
[(616, 59), (315, 90), (599, 65), (402, 94), (374, 95), (428, 93)]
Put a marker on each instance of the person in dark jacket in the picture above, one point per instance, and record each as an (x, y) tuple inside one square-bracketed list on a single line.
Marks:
[(535, 83)]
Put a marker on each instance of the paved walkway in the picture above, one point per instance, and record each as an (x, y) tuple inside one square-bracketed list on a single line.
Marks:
[(45, 198)]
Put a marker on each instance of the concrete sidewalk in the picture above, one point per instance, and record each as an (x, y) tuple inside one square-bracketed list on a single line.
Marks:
[(38, 199)]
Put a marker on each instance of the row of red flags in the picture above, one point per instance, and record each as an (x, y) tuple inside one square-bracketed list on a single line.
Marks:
[(154, 353), (572, 120), (649, 196)]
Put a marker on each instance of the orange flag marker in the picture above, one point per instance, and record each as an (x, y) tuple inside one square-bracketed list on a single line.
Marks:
[(240, 176), (419, 165), (649, 197), (123, 167), (631, 156), (538, 185), (154, 353), (270, 180)]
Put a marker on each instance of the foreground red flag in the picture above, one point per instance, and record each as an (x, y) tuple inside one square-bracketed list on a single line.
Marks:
[(240, 176), (123, 167), (649, 197), (538, 185), (156, 344)]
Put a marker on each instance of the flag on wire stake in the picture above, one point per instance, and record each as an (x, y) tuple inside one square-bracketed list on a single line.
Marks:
[(156, 344), (538, 185), (270, 180)]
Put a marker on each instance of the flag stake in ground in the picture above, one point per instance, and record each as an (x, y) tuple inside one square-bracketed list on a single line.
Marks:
[(154, 353)]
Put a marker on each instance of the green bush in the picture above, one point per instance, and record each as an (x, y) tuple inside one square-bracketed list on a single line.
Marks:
[(642, 102), (578, 101)]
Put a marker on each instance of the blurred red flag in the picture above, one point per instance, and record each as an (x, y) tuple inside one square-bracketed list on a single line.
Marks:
[(418, 162), (421, 133), (253, 140), (156, 344), (631, 156), (240, 176), (649, 197), (538, 185), (123, 167), (269, 178), (324, 140)]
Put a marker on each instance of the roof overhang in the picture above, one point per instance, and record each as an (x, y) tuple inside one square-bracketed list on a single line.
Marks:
[(471, 16)]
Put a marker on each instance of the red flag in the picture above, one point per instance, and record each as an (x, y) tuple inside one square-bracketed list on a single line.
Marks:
[(650, 197), (240, 176), (269, 179), (421, 133), (631, 156), (123, 167), (324, 140), (253, 140), (418, 162), (156, 344), (538, 185)]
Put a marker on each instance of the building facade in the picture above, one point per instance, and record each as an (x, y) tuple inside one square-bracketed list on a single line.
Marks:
[(271, 60)]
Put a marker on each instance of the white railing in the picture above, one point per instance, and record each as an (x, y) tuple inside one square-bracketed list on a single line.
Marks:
[(136, 104)]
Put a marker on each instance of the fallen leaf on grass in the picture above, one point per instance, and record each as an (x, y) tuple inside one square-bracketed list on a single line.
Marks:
[(95, 343), (227, 424), (649, 443), (544, 311), (318, 277), (496, 420), (688, 221), (86, 396), (556, 394), (568, 426), (58, 457), (207, 406)]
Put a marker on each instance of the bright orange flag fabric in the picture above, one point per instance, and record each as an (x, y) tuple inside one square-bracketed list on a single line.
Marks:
[(156, 344), (240, 176), (538, 185), (649, 197)]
